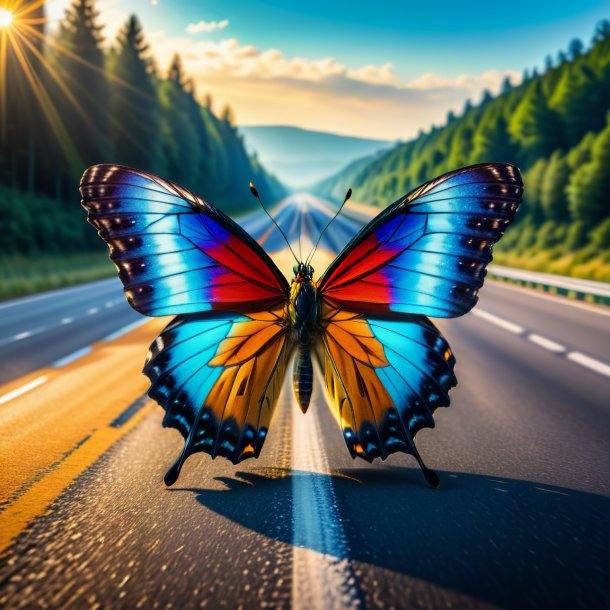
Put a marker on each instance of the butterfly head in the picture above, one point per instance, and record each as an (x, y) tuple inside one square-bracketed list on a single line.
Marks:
[(303, 272)]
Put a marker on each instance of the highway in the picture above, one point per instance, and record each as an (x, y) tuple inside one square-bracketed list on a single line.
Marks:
[(522, 519)]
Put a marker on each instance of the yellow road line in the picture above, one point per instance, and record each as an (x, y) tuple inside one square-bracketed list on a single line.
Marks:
[(37, 499)]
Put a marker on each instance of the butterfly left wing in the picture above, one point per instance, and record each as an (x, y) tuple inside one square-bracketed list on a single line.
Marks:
[(384, 380), (427, 252), (218, 377), (175, 252)]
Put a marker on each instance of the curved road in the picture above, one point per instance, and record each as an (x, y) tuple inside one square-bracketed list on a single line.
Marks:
[(521, 520)]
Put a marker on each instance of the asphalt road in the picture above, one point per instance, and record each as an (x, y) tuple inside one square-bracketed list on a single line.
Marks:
[(522, 519)]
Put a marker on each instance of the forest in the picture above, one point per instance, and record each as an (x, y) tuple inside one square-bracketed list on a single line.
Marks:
[(555, 126), (69, 100)]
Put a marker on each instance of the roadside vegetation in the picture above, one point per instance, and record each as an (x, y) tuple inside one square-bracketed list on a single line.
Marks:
[(81, 103), (556, 127)]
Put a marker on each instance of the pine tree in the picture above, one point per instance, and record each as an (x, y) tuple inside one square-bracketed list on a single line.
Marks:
[(535, 126), (181, 149), (577, 101), (82, 67), (553, 194), (588, 187), (135, 105), (491, 140)]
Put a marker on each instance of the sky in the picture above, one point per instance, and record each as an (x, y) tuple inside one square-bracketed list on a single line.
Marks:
[(382, 69)]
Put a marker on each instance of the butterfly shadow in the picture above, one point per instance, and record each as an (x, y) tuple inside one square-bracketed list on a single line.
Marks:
[(509, 542)]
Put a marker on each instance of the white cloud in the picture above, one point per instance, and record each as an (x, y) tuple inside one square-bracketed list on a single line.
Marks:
[(267, 87), (206, 26)]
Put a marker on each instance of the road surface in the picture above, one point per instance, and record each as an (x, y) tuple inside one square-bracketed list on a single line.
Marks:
[(522, 519)]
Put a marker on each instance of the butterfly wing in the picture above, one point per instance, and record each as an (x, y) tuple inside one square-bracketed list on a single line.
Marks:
[(176, 253), (427, 252), (384, 378), (218, 377)]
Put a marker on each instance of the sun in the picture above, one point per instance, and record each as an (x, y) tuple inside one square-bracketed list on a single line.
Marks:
[(6, 18)]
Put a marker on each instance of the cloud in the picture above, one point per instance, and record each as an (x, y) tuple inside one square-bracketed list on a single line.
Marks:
[(206, 26), (267, 87)]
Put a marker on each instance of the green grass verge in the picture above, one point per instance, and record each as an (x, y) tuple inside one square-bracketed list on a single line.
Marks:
[(20, 275), (572, 264)]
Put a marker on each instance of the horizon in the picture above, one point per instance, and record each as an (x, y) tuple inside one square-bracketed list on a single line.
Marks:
[(418, 63)]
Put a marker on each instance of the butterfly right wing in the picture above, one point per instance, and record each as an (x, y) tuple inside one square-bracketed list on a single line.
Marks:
[(218, 377), (384, 379)]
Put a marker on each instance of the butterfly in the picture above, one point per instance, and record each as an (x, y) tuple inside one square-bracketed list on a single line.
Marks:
[(218, 366)]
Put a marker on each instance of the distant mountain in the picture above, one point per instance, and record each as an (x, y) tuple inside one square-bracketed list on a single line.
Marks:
[(299, 157)]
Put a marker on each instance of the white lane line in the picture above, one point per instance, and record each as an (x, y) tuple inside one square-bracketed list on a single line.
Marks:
[(505, 324), (591, 363), (552, 346), (322, 576), (20, 336), (22, 390), (123, 331), (93, 311), (67, 320), (79, 353)]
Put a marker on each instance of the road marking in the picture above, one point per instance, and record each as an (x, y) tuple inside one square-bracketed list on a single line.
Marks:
[(322, 576), (125, 329), (505, 324), (79, 353), (67, 320), (23, 389), (93, 311), (23, 335), (591, 363), (552, 346), (37, 499)]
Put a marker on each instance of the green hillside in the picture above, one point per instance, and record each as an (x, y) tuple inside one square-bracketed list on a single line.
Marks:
[(70, 103), (556, 127)]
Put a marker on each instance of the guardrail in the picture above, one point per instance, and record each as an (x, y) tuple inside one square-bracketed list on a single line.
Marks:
[(588, 290)]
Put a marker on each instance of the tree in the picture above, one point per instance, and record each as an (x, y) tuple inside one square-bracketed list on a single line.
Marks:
[(181, 149), (491, 140), (535, 126), (227, 116), (82, 67), (553, 195), (577, 101), (588, 187), (135, 105), (575, 48)]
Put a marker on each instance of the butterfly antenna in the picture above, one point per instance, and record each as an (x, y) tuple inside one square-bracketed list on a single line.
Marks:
[(347, 196), (257, 196)]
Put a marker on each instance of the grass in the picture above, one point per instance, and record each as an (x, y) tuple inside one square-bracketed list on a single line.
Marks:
[(20, 275), (573, 264)]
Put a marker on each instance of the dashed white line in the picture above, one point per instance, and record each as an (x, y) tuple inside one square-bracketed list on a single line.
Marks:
[(23, 335), (547, 344), (505, 324), (79, 353), (93, 311), (22, 390), (67, 320), (591, 363)]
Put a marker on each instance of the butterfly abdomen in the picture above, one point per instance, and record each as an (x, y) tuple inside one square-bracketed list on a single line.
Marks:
[(302, 376), (302, 309)]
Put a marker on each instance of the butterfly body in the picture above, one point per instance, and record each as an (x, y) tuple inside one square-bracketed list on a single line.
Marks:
[(303, 316), (218, 368)]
